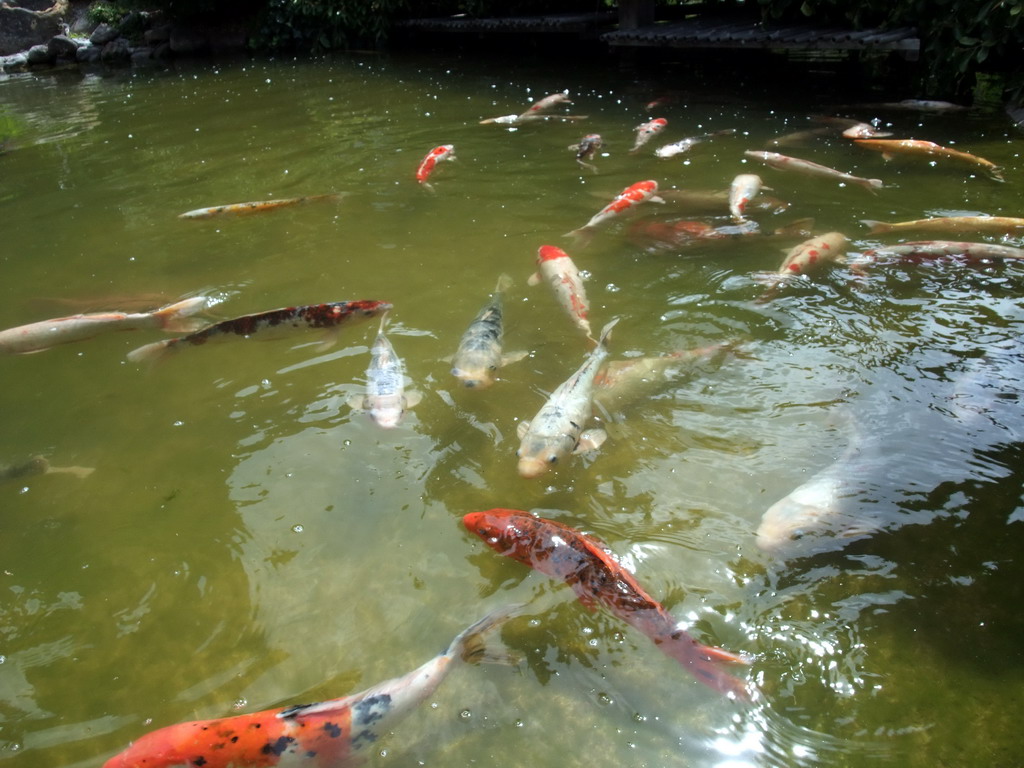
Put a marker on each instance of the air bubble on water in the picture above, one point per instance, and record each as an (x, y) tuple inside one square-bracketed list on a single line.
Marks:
[(465, 714), (297, 528), (239, 703)]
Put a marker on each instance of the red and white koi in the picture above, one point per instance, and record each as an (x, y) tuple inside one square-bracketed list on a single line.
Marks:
[(386, 399), (558, 428), (915, 148), (259, 206), (35, 337), (597, 577), (557, 268), (266, 325), (335, 733), (626, 200), (433, 157), (479, 354), (744, 188), (586, 149), (647, 131), (927, 250), (807, 257), (808, 168)]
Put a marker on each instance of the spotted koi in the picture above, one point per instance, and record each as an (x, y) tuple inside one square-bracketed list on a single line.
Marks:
[(557, 268), (586, 149), (433, 157), (626, 200), (744, 188), (332, 733), (271, 324), (598, 578), (807, 257), (647, 131)]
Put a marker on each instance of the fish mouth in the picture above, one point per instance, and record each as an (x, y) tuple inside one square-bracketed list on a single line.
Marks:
[(530, 467)]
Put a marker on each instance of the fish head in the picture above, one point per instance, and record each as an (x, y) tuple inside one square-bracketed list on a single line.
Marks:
[(537, 455), (476, 378), (550, 253), (509, 532), (387, 416)]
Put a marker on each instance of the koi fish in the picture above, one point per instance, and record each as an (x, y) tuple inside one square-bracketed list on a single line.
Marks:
[(260, 206), (892, 147), (916, 105), (35, 337), (271, 324), (479, 353), (586, 149), (996, 225), (864, 131), (936, 249), (528, 117), (597, 577), (548, 102), (685, 145), (626, 200), (560, 272), (744, 188), (807, 257), (557, 429), (40, 465), (806, 167), (647, 131), (331, 733), (386, 399), (716, 201), (678, 234), (434, 156)]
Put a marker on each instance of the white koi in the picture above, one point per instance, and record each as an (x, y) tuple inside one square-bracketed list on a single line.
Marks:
[(744, 188), (386, 399), (808, 168), (685, 145), (548, 102), (558, 428)]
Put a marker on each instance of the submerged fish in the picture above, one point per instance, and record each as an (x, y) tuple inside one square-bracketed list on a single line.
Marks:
[(627, 199), (679, 234), (260, 206), (271, 324), (333, 733), (936, 249), (744, 188), (557, 268), (996, 225), (586, 149), (479, 353), (548, 102), (716, 201), (433, 157), (808, 168), (648, 131), (685, 145), (558, 428), (39, 465), (914, 147), (386, 399), (35, 337), (598, 578)]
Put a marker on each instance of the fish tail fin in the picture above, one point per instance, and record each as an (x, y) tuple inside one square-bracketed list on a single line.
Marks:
[(581, 236), (504, 283), (470, 645), (606, 333), (178, 317), (872, 184), (150, 353), (702, 662), (876, 227)]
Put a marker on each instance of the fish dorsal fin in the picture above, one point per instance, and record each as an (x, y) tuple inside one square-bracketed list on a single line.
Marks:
[(319, 708), (513, 357)]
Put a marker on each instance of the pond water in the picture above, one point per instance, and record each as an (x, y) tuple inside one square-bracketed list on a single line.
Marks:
[(247, 540)]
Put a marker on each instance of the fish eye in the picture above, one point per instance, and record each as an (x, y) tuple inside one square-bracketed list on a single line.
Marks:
[(552, 459), (797, 535), (519, 454)]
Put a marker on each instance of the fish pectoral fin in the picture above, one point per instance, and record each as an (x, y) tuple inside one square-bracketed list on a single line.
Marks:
[(329, 339), (513, 357), (357, 402), (522, 429), (412, 398), (533, 279), (656, 199), (590, 440)]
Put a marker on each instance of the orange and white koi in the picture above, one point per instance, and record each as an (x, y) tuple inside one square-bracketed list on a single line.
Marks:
[(995, 225), (558, 428), (260, 206), (479, 354), (548, 102), (744, 188), (936, 249), (626, 200), (335, 733), (647, 131), (685, 145), (271, 324), (433, 157), (586, 149), (806, 258), (597, 577), (35, 337), (386, 399), (808, 168), (913, 147), (557, 268), (864, 131)]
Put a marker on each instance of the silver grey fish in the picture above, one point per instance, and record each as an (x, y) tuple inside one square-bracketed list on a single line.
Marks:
[(479, 353), (386, 399), (557, 429)]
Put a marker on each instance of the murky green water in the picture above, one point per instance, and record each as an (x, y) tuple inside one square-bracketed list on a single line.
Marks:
[(247, 540)]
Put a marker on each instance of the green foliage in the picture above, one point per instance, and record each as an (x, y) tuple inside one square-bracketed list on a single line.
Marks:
[(102, 12), (959, 38), (316, 25)]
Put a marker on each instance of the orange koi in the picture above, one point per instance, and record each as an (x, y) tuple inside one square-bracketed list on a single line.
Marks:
[(597, 577), (434, 156), (891, 147), (331, 733), (261, 206)]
